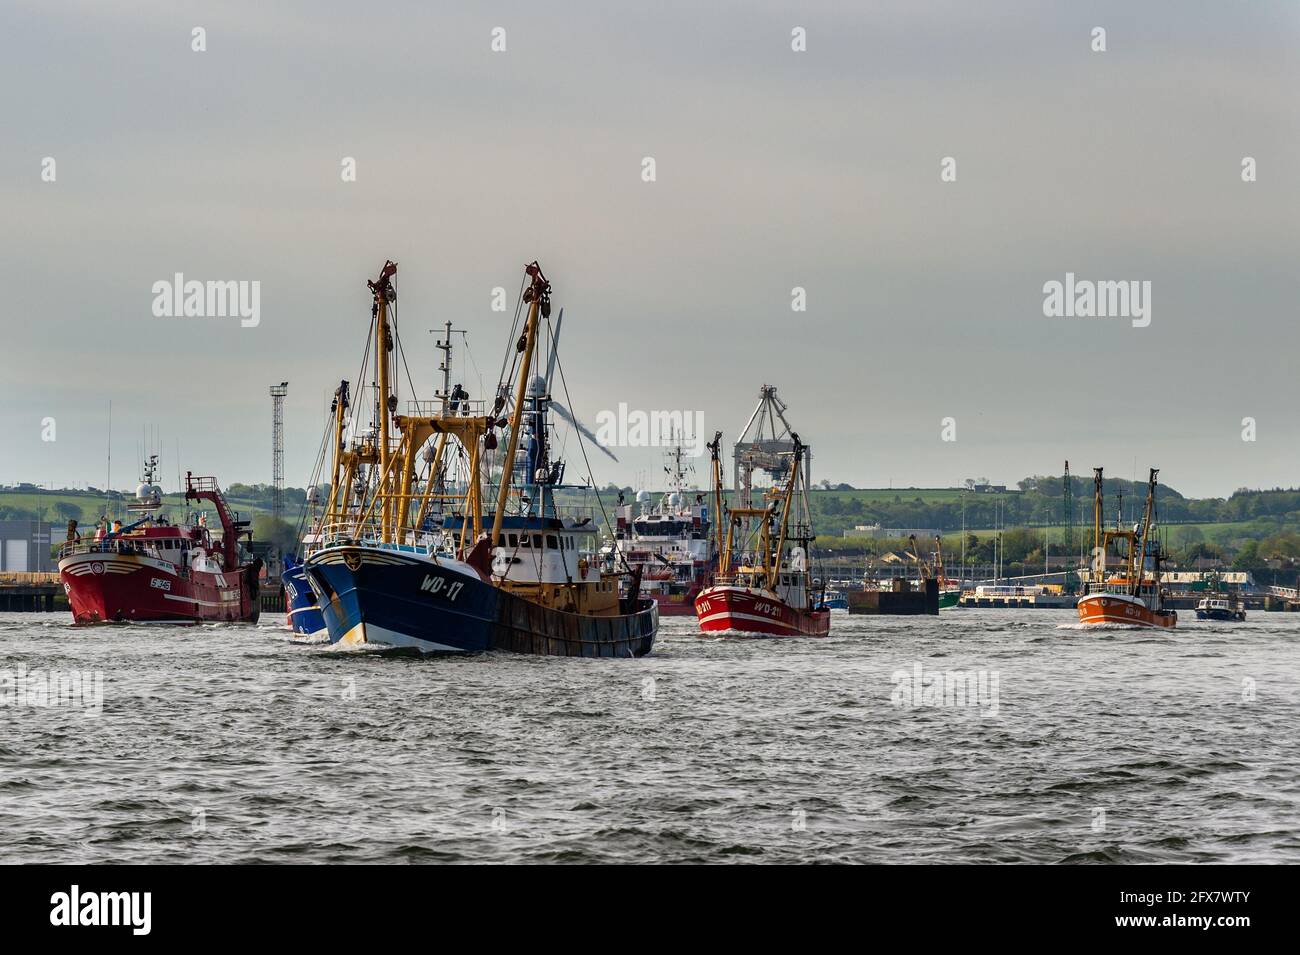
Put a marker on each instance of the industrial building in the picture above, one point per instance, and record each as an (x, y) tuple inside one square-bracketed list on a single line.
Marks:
[(25, 547)]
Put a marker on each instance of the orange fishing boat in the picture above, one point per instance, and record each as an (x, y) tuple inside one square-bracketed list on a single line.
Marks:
[(1133, 598)]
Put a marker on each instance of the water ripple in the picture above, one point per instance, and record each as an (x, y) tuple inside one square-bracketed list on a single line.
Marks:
[(239, 744)]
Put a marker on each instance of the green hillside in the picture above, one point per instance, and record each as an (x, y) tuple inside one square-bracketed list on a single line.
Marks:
[(1250, 525)]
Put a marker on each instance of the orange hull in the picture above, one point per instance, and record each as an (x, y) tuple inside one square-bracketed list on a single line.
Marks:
[(1123, 610)]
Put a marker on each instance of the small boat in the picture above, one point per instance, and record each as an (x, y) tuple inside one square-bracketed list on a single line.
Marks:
[(835, 600), (949, 593), (154, 571), (389, 574), (1220, 607), (766, 589), (1134, 598)]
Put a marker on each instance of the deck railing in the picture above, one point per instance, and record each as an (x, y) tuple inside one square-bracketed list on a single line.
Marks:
[(115, 546), (465, 408)]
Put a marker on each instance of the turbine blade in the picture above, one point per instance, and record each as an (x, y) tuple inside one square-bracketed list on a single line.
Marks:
[(564, 413)]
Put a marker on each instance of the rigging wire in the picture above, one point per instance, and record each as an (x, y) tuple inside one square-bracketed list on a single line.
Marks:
[(315, 478), (510, 342), (582, 446), (482, 390), (511, 358), (400, 351)]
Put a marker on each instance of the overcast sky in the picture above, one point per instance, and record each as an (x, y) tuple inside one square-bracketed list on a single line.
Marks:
[(775, 169)]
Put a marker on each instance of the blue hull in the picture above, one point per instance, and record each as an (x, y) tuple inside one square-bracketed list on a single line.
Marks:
[(380, 596), (304, 614)]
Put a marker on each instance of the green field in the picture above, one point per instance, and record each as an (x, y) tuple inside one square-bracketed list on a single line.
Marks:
[(58, 506), (1272, 517), (880, 495)]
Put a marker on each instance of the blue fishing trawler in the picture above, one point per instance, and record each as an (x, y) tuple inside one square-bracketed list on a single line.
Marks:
[(411, 566), (404, 596), (301, 605), (304, 615)]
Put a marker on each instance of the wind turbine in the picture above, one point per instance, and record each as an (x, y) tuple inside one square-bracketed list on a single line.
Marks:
[(560, 409)]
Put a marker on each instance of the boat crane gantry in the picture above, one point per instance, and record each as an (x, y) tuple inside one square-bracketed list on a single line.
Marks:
[(767, 444)]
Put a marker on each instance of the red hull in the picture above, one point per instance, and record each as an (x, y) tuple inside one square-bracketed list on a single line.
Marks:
[(757, 611), (112, 587), (1123, 610)]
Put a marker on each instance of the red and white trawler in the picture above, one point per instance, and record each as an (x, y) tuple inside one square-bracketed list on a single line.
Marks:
[(1133, 598), (766, 589), (671, 542), (153, 571)]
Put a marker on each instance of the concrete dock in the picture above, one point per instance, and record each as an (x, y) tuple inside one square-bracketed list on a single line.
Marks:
[(22, 592)]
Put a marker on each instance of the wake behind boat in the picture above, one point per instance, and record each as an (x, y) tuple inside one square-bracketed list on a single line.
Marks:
[(409, 564)]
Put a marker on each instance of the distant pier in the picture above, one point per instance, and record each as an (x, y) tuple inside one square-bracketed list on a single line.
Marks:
[(902, 599), (24, 592)]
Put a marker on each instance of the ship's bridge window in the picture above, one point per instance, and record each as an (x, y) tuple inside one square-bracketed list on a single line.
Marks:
[(551, 542), (537, 541), (514, 540)]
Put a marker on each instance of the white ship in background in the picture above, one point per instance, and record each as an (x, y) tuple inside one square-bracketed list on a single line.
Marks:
[(668, 539)]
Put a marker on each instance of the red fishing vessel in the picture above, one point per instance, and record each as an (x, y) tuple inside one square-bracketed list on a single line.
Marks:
[(154, 571), (765, 588), (1133, 598)]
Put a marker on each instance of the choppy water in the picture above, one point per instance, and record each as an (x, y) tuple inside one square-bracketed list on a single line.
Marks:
[(232, 744)]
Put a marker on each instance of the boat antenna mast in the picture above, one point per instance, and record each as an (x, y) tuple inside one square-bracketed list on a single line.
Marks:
[(341, 459), (774, 559), (715, 465), (384, 296), (1098, 550), (1067, 508), (538, 298), (1148, 520)]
